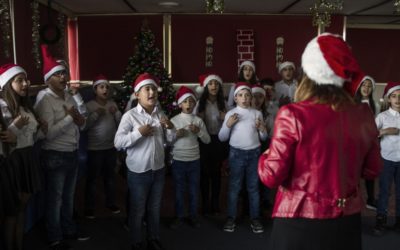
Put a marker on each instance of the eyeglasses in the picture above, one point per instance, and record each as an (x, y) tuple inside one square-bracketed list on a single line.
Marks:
[(61, 73)]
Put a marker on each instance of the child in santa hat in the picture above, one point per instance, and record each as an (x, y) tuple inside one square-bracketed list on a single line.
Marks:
[(102, 124), (285, 88), (246, 73), (186, 156), (244, 128), (143, 132), (211, 108), (388, 123), (20, 121), (60, 152)]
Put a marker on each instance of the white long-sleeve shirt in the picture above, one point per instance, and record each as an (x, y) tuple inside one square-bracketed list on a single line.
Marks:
[(144, 153), (282, 89), (390, 144), (29, 133), (62, 134), (211, 117), (244, 134), (102, 128), (186, 148)]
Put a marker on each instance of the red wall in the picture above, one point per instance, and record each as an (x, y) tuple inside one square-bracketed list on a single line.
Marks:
[(377, 52), (190, 31), (107, 42)]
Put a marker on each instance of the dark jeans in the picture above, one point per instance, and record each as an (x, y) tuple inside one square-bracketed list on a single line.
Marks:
[(61, 170), (145, 191), (243, 163), (103, 162), (182, 171), (390, 172), (211, 157)]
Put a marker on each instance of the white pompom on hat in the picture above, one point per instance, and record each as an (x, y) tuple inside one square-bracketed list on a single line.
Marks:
[(247, 63), (99, 79), (240, 86), (146, 79), (205, 79), (327, 59), (50, 65), (286, 64), (8, 71), (183, 93)]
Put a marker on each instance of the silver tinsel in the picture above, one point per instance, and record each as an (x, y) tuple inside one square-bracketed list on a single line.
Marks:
[(35, 34), (322, 11), (61, 26), (5, 23)]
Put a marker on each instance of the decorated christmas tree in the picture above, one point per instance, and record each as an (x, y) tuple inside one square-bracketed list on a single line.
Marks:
[(147, 58)]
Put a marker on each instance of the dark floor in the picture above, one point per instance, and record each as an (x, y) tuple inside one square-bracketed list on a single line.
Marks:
[(108, 233)]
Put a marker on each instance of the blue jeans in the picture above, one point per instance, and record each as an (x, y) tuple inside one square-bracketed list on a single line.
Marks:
[(182, 171), (145, 191), (390, 172), (103, 161), (243, 163), (61, 170)]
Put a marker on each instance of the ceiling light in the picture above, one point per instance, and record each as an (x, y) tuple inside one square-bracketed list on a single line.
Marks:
[(168, 4)]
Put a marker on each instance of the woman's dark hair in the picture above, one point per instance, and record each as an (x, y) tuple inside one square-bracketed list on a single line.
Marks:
[(358, 97), (253, 79), (220, 99)]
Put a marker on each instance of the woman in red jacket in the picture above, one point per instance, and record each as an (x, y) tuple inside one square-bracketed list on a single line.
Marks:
[(322, 145)]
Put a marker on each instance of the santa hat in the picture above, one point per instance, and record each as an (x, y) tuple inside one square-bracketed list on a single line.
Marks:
[(183, 93), (204, 80), (241, 85), (257, 88), (327, 59), (145, 79), (50, 65), (284, 65), (359, 78), (390, 88), (99, 80), (8, 71), (247, 63)]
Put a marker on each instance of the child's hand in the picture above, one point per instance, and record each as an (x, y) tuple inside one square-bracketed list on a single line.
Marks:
[(222, 115), (79, 120), (194, 129), (260, 125), (232, 120), (100, 111), (166, 123), (146, 130), (8, 136), (21, 121), (43, 126), (112, 110), (180, 133), (389, 131)]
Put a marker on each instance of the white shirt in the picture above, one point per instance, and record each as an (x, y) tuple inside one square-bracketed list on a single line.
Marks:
[(244, 134), (144, 153), (29, 133), (390, 144), (283, 89), (62, 134), (186, 148), (211, 117), (101, 129)]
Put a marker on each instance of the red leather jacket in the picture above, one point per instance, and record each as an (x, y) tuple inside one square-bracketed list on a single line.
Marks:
[(317, 157)]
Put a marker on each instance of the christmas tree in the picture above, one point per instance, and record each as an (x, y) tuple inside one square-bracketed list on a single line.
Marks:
[(147, 58)]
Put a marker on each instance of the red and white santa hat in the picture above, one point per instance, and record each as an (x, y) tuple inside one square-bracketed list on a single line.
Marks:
[(183, 93), (8, 71), (284, 65), (50, 65), (257, 88), (241, 85), (327, 59), (145, 79), (205, 79), (390, 88), (99, 79), (359, 79), (247, 63)]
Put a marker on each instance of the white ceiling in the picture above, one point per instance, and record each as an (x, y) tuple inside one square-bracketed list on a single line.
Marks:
[(358, 11)]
